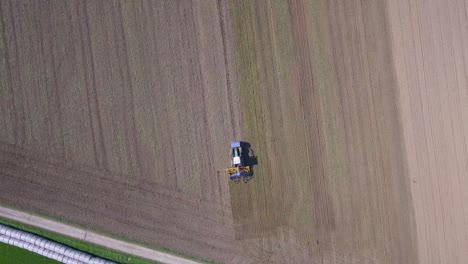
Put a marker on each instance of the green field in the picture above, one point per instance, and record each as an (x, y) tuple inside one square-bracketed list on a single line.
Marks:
[(13, 255)]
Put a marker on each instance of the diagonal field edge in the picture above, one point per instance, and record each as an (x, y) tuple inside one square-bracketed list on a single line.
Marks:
[(92, 237)]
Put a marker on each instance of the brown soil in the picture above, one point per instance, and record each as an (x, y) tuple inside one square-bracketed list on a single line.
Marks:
[(430, 44), (117, 115), (332, 183)]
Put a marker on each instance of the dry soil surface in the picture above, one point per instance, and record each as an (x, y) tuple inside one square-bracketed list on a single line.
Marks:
[(430, 46), (117, 115), (332, 185)]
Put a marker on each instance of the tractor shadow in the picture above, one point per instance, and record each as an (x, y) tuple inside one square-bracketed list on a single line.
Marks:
[(249, 157)]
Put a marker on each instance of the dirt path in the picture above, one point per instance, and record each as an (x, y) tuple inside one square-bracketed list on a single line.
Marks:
[(91, 237)]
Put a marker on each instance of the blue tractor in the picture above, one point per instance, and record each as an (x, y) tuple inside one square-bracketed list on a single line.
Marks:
[(238, 170)]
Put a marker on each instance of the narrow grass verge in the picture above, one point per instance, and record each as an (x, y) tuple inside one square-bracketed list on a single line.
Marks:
[(14, 255)]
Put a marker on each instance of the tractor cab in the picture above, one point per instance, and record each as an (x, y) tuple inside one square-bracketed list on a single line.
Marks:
[(236, 159), (238, 170)]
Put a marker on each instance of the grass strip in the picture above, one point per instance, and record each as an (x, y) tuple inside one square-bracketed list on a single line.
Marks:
[(15, 255)]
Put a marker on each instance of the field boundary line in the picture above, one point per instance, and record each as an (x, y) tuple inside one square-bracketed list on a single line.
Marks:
[(92, 237)]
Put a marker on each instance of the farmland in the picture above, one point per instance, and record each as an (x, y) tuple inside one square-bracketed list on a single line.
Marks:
[(333, 180), (85, 146), (117, 115)]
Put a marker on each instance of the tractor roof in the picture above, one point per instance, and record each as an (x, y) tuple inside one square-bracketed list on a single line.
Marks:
[(235, 144)]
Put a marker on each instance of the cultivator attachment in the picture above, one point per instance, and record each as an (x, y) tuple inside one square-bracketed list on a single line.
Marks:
[(236, 174), (240, 169)]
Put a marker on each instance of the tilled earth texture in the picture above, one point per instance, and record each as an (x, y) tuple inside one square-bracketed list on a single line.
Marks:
[(117, 115)]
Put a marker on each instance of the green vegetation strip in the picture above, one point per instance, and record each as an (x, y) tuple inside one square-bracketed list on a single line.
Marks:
[(77, 244), (14, 255)]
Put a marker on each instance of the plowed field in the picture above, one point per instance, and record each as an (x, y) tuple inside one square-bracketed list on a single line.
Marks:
[(117, 115)]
